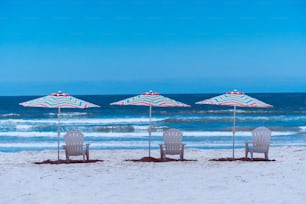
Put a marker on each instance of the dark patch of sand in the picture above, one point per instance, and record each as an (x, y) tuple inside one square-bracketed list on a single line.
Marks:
[(242, 159), (66, 162), (152, 159)]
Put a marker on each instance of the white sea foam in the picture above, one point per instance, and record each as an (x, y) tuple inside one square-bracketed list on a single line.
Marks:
[(28, 134), (144, 120), (141, 134), (303, 128), (29, 145), (138, 127), (87, 134), (10, 115), (230, 133), (23, 127), (69, 114), (84, 121), (22, 121)]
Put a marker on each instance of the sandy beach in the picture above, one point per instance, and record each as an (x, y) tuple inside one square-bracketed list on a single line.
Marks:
[(118, 181)]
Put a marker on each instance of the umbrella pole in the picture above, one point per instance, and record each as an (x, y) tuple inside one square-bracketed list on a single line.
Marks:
[(234, 131), (150, 121), (58, 132)]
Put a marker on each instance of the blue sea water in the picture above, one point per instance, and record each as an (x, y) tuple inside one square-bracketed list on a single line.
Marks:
[(125, 127)]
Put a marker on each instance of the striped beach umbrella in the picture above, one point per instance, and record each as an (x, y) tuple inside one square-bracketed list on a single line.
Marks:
[(151, 99), (58, 100), (235, 99)]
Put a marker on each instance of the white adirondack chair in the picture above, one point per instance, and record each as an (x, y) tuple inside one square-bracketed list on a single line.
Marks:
[(261, 142), (74, 145), (172, 144)]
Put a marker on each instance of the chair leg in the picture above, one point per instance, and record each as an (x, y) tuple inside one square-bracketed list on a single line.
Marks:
[(67, 156), (246, 150), (87, 152), (162, 152), (87, 155), (266, 156), (182, 153)]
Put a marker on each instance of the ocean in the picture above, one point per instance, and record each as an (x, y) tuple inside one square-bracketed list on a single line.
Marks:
[(125, 127)]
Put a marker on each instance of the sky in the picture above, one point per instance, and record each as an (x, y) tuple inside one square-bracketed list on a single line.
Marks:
[(169, 46)]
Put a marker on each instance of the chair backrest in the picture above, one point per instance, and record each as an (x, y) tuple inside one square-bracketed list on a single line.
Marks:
[(261, 139), (74, 142), (173, 136), (173, 141)]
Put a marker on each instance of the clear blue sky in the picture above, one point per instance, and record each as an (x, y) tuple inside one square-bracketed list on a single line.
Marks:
[(170, 46)]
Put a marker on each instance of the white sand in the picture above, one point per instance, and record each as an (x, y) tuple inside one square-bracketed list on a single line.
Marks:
[(119, 181)]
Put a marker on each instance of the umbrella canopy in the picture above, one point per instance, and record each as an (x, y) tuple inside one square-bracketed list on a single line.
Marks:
[(150, 99), (58, 100), (235, 98)]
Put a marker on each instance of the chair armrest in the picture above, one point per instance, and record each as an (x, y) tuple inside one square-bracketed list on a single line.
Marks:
[(247, 143)]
